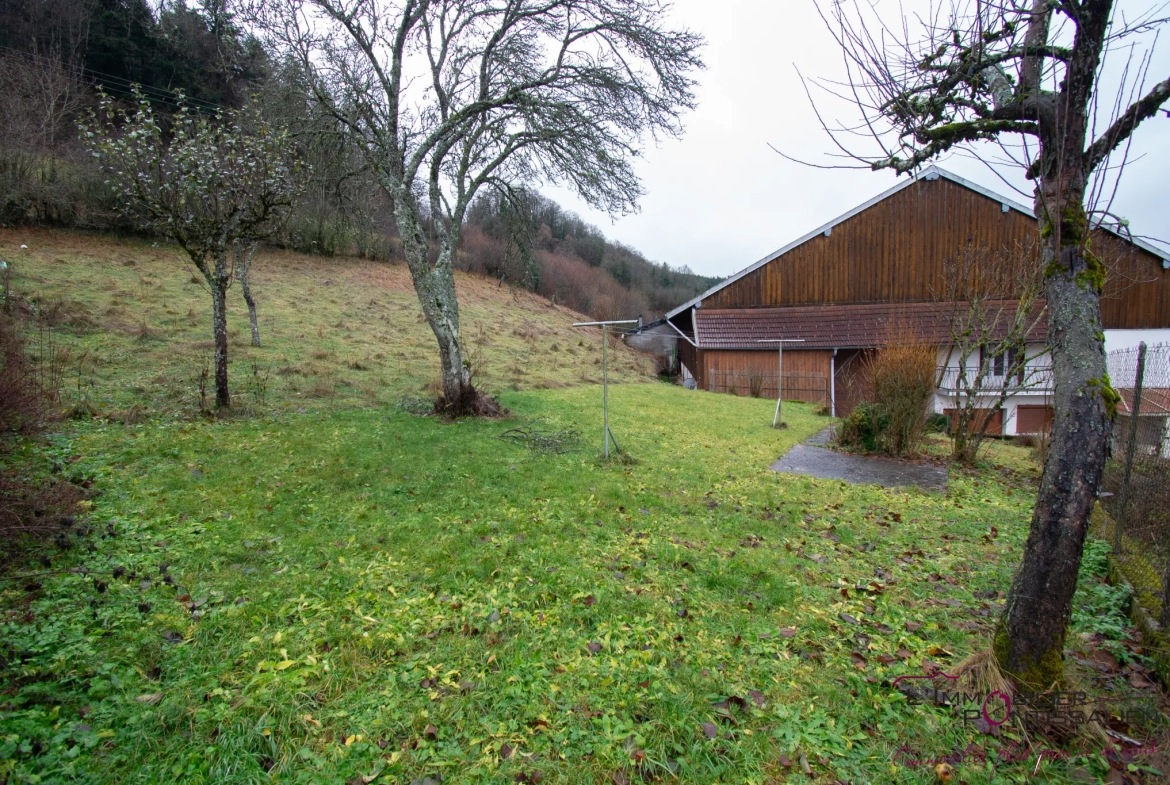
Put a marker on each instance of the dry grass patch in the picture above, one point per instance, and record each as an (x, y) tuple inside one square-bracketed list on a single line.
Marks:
[(319, 317)]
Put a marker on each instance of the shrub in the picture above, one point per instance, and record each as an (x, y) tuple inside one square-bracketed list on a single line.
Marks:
[(1040, 448), (21, 398), (937, 423), (31, 498), (865, 427), (756, 384), (903, 374), (1037, 443)]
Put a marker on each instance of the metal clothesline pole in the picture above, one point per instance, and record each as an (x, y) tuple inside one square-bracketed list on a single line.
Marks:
[(777, 420), (606, 433)]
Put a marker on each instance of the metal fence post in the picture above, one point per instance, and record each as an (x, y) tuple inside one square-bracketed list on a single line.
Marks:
[(1130, 447), (605, 389)]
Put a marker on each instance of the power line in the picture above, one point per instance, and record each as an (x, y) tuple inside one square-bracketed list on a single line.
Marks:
[(160, 94)]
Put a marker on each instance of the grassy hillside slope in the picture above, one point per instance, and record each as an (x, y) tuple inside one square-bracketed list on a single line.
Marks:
[(136, 323)]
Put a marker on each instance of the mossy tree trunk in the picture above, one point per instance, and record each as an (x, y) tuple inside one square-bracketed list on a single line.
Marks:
[(982, 73), (1029, 642), (434, 283)]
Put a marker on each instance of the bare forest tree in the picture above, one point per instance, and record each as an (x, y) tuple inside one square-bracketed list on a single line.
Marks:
[(1024, 76), (447, 97), (995, 297), (212, 184), (42, 96)]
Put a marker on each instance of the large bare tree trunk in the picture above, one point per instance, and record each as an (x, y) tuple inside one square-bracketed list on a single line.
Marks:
[(954, 89), (436, 294), (435, 285), (1029, 643)]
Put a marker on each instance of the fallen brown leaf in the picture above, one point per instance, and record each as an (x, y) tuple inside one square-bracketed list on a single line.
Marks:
[(1139, 681)]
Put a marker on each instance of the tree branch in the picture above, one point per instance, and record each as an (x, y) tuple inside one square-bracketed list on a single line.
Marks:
[(1125, 125)]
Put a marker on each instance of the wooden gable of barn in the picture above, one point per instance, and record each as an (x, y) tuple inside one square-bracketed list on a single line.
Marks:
[(893, 249)]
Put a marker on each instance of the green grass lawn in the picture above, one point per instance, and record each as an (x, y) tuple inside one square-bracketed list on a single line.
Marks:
[(317, 598), (324, 588)]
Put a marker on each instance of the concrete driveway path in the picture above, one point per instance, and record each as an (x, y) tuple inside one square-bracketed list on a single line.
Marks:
[(813, 461)]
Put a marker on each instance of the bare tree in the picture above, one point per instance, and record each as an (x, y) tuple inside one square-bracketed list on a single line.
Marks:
[(244, 251), (445, 97), (42, 97), (209, 184), (1023, 75), (995, 297)]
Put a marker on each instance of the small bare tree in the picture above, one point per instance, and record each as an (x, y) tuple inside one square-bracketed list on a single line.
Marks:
[(445, 97), (244, 251), (212, 184), (1026, 77), (995, 298)]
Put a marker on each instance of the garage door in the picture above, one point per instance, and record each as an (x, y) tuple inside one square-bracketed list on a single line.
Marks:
[(1033, 419)]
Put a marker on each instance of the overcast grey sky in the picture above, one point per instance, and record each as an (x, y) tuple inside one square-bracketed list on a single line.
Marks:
[(719, 198)]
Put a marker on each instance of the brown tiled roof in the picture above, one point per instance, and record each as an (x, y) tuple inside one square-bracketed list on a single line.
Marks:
[(834, 326), (1155, 401)]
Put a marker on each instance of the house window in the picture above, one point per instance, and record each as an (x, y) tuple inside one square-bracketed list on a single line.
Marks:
[(992, 364), (1000, 364), (1017, 356)]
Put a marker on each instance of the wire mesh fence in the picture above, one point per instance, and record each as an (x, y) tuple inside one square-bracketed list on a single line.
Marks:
[(1135, 488), (808, 387)]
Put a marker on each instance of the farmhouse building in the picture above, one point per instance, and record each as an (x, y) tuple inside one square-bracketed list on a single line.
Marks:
[(839, 287)]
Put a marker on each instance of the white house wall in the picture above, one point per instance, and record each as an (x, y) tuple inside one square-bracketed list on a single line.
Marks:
[(949, 358)]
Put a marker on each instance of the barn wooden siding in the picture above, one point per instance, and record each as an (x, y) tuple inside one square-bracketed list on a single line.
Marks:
[(796, 362), (894, 251), (853, 384)]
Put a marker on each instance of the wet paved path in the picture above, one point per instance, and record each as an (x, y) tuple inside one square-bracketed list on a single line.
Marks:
[(814, 461)]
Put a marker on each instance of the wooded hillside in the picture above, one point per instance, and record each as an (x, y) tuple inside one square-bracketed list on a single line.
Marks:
[(55, 55)]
